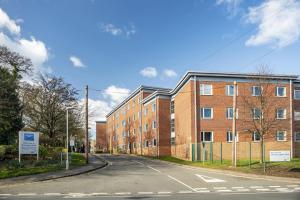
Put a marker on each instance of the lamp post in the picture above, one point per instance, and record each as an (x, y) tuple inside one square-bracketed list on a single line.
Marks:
[(67, 130)]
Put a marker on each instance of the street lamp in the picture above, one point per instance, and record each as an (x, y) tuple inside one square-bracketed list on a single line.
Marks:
[(67, 130)]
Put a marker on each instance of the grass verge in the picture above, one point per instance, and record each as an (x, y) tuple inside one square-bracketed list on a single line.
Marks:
[(13, 169), (283, 169)]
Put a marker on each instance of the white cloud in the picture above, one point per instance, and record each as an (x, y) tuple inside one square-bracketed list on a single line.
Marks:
[(232, 6), (76, 61), (9, 24), (31, 48), (278, 23), (170, 73), (149, 72), (115, 94), (112, 29)]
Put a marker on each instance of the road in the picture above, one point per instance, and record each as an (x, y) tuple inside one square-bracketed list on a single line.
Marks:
[(131, 177)]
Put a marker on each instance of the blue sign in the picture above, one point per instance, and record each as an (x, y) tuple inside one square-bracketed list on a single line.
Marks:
[(28, 137)]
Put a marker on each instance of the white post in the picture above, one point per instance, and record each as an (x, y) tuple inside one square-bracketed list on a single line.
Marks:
[(67, 130), (38, 142), (234, 153), (19, 147)]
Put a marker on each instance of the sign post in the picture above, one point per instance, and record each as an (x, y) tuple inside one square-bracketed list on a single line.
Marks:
[(28, 143)]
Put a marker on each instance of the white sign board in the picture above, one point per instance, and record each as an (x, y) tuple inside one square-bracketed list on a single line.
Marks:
[(277, 156), (72, 143), (28, 142)]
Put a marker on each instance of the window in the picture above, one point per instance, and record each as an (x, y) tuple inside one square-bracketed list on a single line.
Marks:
[(281, 135), (255, 137), (139, 100), (280, 91), (154, 142), (206, 89), (154, 107), (297, 115), (146, 143), (146, 111), (206, 113), (297, 137), (207, 136), (124, 110), (146, 127), (134, 145), (139, 115), (172, 125), (117, 116), (229, 113), (173, 140), (230, 90), (117, 126), (229, 136), (113, 117), (133, 117), (123, 123), (256, 91), (172, 107), (140, 129), (129, 120), (124, 134), (153, 124), (281, 113), (133, 132), (297, 94), (256, 113), (128, 106)]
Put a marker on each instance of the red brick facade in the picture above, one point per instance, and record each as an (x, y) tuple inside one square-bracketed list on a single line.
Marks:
[(101, 137)]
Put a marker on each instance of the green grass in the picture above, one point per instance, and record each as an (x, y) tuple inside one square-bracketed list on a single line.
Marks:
[(7, 171), (272, 168)]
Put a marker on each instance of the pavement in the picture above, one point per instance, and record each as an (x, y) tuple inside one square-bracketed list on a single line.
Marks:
[(133, 177), (95, 162)]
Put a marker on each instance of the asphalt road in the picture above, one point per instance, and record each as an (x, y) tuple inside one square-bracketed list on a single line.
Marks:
[(130, 177)]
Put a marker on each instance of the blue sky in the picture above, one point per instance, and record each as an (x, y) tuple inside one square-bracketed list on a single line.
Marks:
[(117, 45)]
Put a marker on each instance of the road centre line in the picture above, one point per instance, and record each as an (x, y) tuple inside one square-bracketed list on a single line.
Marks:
[(171, 177), (153, 169)]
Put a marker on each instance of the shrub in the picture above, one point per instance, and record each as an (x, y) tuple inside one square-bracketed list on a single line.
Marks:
[(2, 152), (43, 152)]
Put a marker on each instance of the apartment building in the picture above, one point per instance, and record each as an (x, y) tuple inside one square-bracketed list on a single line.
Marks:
[(101, 143), (133, 124), (196, 117)]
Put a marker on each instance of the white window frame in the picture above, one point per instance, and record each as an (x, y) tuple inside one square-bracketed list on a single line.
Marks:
[(203, 89), (146, 127), (229, 141), (253, 91), (254, 115), (124, 123), (154, 107), (203, 136), (202, 112), (146, 111), (284, 113), (154, 125), (297, 115), (277, 94), (296, 133), (254, 138), (295, 91), (227, 90), (284, 132)]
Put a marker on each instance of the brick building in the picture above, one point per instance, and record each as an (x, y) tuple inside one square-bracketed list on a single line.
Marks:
[(102, 140), (194, 120)]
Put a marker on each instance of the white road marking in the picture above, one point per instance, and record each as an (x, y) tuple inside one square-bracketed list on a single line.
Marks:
[(164, 192), (27, 194), (182, 183), (243, 190), (204, 191), (263, 189), (224, 190), (220, 188), (274, 186), (52, 194), (255, 187), (122, 193), (200, 188), (138, 162), (185, 191), (154, 169), (208, 179), (99, 193), (237, 187), (145, 192), (297, 188), (292, 185)]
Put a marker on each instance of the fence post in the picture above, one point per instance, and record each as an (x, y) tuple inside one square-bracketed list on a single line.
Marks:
[(221, 156), (250, 154)]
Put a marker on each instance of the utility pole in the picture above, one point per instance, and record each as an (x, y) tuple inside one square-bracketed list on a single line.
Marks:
[(86, 124), (234, 150)]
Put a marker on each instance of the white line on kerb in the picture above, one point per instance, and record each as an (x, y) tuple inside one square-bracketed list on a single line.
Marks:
[(154, 169), (292, 185), (254, 187), (52, 194), (274, 186), (99, 193), (185, 191), (162, 192), (145, 192), (224, 190), (237, 187), (27, 194), (182, 183), (122, 193), (5, 194)]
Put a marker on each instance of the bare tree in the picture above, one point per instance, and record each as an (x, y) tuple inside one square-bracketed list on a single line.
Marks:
[(131, 134), (260, 109), (149, 133)]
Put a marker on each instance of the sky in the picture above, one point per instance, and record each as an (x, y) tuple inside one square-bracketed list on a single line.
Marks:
[(114, 46)]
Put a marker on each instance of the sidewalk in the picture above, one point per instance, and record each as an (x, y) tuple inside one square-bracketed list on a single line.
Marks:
[(95, 162)]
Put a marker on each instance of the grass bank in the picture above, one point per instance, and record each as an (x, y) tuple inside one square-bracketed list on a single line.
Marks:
[(284, 169), (12, 168)]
